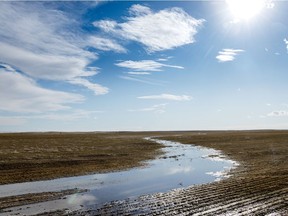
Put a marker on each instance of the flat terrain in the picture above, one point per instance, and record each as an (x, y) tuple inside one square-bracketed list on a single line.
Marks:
[(259, 186), (38, 156)]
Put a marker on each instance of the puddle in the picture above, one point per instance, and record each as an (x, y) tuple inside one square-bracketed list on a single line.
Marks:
[(180, 166)]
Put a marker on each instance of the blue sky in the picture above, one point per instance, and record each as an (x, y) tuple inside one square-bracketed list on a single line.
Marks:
[(132, 65)]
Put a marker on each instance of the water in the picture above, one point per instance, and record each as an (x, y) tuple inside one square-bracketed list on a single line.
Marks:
[(180, 166)]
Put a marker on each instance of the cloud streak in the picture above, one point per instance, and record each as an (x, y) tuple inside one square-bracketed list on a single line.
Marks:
[(96, 88), (167, 97), (145, 65), (56, 53), (136, 78), (19, 93), (228, 55), (280, 113), (286, 43), (106, 44), (157, 31), (158, 108), (138, 73)]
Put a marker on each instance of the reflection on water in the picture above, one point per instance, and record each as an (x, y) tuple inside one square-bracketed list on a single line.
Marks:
[(181, 166)]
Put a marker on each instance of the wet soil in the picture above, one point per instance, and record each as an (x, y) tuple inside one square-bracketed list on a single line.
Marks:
[(13, 201), (259, 186), (41, 156)]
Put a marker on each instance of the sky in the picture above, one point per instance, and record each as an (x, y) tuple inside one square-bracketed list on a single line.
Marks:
[(151, 65)]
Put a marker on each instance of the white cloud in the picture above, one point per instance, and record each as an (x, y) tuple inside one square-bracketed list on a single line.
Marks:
[(65, 116), (96, 88), (162, 59), (158, 108), (278, 113), (157, 31), (146, 81), (168, 97), (106, 25), (228, 54), (270, 4), (44, 66), (43, 43), (145, 65), (19, 93), (138, 73), (139, 10), (106, 44), (78, 114), (286, 42)]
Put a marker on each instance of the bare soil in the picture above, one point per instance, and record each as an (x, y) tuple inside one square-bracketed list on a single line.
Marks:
[(259, 186), (40, 156), (26, 199)]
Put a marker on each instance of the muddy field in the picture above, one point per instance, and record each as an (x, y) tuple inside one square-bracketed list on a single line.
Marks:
[(39, 156), (259, 186)]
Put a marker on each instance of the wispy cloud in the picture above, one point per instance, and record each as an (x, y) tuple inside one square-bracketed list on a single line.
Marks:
[(142, 80), (71, 115), (138, 73), (57, 52), (158, 108), (106, 44), (139, 10), (145, 65), (96, 88), (67, 116), (168, 97), (286, 42), (280, 113), (19, 93), (11, 121), (157, 31), (163, 59), (228, 54)]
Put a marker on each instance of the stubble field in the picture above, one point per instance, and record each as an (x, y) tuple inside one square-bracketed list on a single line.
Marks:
[(259, 186)]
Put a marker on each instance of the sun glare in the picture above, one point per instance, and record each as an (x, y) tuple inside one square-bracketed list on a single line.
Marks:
[(245, 9)]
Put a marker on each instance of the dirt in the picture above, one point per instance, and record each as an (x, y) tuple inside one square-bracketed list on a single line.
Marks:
[(41, 156), (26, 199), (258, 186)]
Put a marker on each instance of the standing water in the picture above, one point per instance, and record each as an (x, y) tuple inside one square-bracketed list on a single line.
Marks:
[(180, 166)]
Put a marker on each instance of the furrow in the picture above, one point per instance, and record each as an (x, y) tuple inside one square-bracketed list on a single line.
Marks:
[(238, 203)]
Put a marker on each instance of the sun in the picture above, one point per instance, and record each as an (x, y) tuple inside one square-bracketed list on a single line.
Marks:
[(245, 9)]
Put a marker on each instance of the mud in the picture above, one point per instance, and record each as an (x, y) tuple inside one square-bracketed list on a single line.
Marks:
[(26, 199), (258, 186)]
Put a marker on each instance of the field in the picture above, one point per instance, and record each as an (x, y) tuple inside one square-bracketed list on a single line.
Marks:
[(259, 186), (39, 156)]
